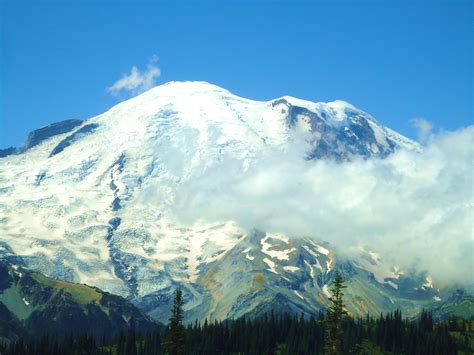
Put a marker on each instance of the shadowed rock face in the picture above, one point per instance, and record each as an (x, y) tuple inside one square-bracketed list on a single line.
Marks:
[(8, 151), (66, 142), (355, 137), (43, 133), (40, 135)]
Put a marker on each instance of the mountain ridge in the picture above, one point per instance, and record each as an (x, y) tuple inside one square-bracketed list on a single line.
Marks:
[(32, 305), (98, 200), (179, 88)]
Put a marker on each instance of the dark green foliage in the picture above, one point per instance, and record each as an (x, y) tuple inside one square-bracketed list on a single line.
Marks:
[(272, 334), (334, 320), (175, 337)]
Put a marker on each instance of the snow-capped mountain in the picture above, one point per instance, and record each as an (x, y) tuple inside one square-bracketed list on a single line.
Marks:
[(91, 202)]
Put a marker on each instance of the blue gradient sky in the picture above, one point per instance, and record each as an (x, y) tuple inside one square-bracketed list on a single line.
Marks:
[(396, 60)]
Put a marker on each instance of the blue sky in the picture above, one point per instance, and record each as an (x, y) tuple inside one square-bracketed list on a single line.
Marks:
[(397, 60)]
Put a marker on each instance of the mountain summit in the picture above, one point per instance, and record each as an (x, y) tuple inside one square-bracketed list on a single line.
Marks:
[(91, 202)]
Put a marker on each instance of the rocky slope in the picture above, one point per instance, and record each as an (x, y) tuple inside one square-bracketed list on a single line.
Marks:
[(32, 304)]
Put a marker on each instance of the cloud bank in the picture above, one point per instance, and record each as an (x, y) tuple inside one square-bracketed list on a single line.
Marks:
[(416, 209), (137, 82)]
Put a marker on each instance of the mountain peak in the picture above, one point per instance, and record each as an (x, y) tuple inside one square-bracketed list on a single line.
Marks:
[(337, 110), (186, 88), (99, 196)]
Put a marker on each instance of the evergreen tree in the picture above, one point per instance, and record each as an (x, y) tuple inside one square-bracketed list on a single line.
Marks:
[(175, 342), (334, 318), (285, 334)]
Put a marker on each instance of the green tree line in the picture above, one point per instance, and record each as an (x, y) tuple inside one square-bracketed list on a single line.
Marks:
[(333, 332)]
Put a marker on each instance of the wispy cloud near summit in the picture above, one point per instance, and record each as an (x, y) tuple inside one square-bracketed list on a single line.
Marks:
[(137, 82), (424, 128)]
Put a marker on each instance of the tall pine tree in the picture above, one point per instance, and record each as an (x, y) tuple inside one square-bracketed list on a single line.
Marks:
[(334, 317), (175, 341)]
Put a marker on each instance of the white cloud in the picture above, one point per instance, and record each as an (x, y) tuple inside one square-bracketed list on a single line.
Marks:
[(137, 82), (424, 128), (414, 208)]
